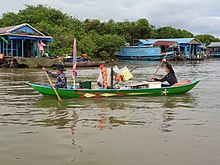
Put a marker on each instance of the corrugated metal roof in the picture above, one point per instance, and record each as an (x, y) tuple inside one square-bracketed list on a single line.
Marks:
[(9, 30), (6, 29), (178, 40), (143, 41), (214, 44), (151, 41)]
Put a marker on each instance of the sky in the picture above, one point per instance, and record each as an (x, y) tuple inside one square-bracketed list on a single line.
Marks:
[(196, 16)]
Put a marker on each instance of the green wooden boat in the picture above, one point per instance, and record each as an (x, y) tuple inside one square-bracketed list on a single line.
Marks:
[(132, 90)]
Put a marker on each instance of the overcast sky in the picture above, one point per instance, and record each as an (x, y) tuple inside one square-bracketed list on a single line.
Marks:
[(196, 16)]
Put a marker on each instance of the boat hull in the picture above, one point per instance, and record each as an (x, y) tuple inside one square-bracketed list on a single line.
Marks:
[(84, 64), (142, 53), (98, 93)]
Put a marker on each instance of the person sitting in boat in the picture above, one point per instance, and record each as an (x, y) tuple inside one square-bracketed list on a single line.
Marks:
[(60, 76), (170, 76), (85, 57)]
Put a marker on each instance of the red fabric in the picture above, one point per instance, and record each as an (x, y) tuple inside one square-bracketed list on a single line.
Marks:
[(182, 83), (104, 76)]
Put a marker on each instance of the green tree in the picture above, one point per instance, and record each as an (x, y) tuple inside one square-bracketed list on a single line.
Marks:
[(207, 38), (94, 37), (170, 32), (110, 44), (142, 29)]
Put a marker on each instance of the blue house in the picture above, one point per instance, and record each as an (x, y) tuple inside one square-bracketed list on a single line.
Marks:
[(22, 40), (214, 49), (142, 50), (189, 47), (154, 49)]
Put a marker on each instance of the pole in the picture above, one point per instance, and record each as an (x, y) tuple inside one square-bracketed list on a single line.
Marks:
[(158, 67), (58, 97)]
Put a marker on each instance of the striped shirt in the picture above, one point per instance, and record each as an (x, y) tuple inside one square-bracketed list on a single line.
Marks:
[(61, 79)]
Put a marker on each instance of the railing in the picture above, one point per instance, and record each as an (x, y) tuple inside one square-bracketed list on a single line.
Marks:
[(215, 54)]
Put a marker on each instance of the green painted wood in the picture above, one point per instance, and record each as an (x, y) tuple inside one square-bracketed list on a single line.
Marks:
[(97, 93)]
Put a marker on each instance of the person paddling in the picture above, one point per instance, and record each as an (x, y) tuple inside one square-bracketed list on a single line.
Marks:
[(60, 76), (170, 76)]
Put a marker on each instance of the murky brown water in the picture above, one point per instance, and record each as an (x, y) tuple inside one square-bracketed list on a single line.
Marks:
[(168, 130)]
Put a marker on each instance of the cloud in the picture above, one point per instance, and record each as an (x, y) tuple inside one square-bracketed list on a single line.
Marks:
[(196, 16)]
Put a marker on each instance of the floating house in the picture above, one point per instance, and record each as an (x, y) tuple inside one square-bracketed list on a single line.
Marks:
[(166, 46), (153, 49), (22, 40), (188, 47), (214, 49)]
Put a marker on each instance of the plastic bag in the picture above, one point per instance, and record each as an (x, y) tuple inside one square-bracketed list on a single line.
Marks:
[(126, 74)]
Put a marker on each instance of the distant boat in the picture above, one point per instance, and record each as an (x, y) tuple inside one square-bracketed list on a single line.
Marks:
[(142, 53), (153, 49), (68, 62)]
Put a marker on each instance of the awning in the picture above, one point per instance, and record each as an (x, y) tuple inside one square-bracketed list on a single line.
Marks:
[(31, 38)]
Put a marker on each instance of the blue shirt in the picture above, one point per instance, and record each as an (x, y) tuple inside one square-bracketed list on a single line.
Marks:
[(61, 79)]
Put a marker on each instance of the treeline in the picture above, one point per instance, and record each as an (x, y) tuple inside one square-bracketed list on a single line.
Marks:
[(96, 38)]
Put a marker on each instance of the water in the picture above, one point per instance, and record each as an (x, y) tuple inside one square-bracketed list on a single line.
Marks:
[(166, 130)]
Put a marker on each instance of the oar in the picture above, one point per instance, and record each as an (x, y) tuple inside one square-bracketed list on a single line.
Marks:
[(58, 97), (158, 68), (133, 68)]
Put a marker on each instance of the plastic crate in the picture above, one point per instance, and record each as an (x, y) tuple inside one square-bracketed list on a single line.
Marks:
[(85, 84)]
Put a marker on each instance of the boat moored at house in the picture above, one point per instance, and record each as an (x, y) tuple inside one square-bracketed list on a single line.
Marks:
[(153, 49), (141, 51)]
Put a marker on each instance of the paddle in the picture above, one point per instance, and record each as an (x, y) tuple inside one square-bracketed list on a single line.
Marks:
[(51, 84), (158, 67)]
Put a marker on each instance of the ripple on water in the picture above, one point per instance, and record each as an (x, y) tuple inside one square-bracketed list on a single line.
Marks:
[(111, 126)]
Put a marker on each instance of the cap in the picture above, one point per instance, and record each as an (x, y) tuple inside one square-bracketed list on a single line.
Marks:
[(60, 67)]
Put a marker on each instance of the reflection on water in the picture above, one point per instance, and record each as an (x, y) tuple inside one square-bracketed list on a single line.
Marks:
[(168, 116), (80, 130), (184, 100), (95, 113), (107, 113)]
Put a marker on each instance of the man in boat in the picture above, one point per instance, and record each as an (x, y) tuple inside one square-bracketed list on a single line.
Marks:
[(170, 76), (60, 76), (85, 57)]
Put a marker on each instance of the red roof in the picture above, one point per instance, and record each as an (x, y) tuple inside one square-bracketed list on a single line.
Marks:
[(165, 43)]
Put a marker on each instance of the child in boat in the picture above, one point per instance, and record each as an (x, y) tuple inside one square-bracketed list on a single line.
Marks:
[(170, 76), (60, 76)]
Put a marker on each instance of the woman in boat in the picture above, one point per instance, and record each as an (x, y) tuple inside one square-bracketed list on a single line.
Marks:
[(170, 76), (60, 76)]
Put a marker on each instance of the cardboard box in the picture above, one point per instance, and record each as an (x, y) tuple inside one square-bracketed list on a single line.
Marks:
[(153, 84)]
